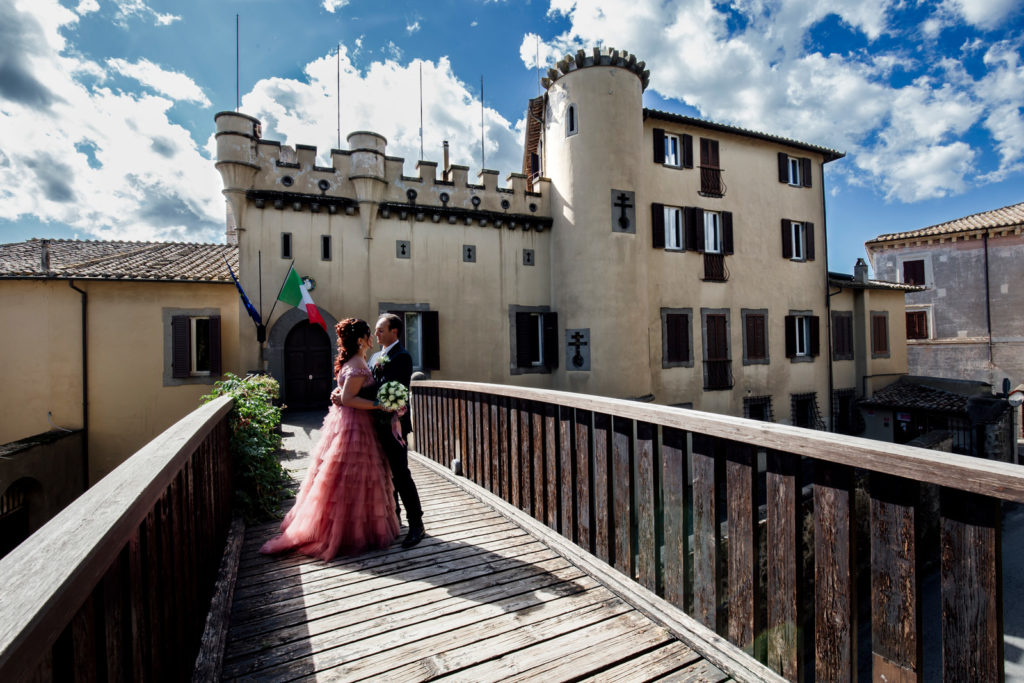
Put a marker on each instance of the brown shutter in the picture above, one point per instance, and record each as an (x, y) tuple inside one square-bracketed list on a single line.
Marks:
[(718, 342), (686, 142), (783, 167), (181, 347), (879, 335), (709, 153), (727, 232), (658, 225), (659, 146), (215, 345), (755, 337), (430, 340), (713, 149), (805, 172), (787, 238), (526, 335), (790, 336), (690, 228), (550, 354), (809, 239), (698, 228), (815, 325)]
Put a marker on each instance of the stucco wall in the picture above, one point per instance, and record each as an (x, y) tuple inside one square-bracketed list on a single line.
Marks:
[(128, 400)]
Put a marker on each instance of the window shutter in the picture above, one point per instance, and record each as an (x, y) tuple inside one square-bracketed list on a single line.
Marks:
[(787, 238), (805, 172), (658, 225), (431, 341), (727, 232), (815, 334), (690, 228), (790, 336), (809, 238), (686, 141), (709, 152), (677, 340), (783, 167), (526, 332), (550, 323), (215, 345), (181, 348), (698, 228), (659, 146)]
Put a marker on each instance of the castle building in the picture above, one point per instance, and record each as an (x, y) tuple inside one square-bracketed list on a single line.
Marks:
[(639, 254)]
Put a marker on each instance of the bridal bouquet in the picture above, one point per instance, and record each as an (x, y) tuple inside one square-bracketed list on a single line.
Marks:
[(393, 396)]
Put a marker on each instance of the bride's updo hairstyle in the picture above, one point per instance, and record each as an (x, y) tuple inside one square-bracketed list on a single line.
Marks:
[(350, 331)]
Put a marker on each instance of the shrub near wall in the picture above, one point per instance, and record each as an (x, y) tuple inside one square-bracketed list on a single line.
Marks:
[(259, 479)]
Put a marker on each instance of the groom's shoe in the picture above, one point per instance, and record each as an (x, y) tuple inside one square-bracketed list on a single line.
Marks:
[(414, 536)]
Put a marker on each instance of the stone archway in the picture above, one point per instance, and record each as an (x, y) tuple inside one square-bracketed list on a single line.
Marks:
[(278, 336)]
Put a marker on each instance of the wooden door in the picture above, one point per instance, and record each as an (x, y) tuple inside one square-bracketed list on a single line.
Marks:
[(308, 374)]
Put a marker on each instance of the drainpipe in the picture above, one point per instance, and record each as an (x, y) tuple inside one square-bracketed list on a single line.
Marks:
[(85, 385), (988, 303)]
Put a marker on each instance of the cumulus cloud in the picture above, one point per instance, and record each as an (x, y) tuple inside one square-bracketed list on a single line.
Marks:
[(385, 99), (333, 6), (109, 164), (747, 63), (175, 85), (87, 7), (412, 28), (137, 9)]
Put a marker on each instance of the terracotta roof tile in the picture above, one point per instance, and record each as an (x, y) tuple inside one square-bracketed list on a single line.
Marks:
[(1008, 216), (111, 260), (906, 395)]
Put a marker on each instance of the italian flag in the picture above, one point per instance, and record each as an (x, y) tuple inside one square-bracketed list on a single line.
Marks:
[(294, 292)]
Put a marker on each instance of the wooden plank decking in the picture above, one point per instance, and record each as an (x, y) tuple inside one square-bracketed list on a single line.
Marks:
[(479, 599)]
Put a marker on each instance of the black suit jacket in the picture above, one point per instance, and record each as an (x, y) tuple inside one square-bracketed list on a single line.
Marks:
[(398, 368)]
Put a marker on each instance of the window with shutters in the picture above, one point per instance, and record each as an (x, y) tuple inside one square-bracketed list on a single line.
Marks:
[(673, 149), (673, 222), (712, 232), (917, 324), (717, 361), (794, 171), (572, 124), (842, 335), (533, 339), (676, 338), (755, 336), (913, 272), (879, 334), (192, 346), (419, 335), (802, 336), (711, 183), (797, 240)]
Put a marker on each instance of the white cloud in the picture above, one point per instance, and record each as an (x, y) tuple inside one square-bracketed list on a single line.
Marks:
[(131, 9), (757, 73), (412, 28), (108, 164), (87, 7), (385, 99), (175, 85), (986, 14), (392, 51), (333, 6)]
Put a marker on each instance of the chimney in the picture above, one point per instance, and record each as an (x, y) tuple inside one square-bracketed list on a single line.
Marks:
[(44, 256), (860, 271), (444, 172)]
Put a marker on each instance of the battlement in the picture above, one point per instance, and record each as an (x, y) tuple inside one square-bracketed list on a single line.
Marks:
[(275, 175), (607, 56)]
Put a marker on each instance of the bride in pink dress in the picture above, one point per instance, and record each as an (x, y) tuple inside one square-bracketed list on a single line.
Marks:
[(346, 504)]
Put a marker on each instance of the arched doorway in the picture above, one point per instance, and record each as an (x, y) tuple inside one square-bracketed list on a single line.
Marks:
[(308, 375)]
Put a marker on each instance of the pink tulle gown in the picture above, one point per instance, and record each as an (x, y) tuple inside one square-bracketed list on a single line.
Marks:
[(346, 504)]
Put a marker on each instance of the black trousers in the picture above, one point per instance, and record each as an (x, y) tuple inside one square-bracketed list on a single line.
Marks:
[(405, 487)]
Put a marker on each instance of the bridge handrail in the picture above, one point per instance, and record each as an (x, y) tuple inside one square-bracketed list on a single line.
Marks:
[(98, 561)]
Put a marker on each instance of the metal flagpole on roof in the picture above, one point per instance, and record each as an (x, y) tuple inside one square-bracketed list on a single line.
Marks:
[(483, 158), (238, 98), (421, 111), (339, 95)]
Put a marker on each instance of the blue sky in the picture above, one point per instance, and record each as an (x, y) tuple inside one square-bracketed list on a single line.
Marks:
[(106, 106)]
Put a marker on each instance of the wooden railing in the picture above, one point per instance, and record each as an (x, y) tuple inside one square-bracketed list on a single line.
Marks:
[(117, 585), (709, 512)]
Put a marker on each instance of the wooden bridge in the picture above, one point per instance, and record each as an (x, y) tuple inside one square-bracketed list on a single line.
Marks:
[(590, 538)]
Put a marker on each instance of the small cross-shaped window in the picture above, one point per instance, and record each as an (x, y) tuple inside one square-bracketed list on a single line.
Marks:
[(403, 249), (527, 257), (469, 253)]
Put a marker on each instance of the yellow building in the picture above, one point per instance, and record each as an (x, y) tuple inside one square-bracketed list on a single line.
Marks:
[(90, 334), (639, 254)]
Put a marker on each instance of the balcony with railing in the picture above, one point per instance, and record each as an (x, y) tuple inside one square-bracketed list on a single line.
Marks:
[(711, 183), (717, 374), (587, 539), (715, 269)]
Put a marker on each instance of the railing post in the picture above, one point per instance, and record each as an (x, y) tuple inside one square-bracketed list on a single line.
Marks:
[(835, 612), (741, 508), (515, 459), (537, 466), (972, 587), (785, 565), (647, 505), (603, 512), (622, 495), (673, 486), (708, 474), (551, 493), (583, 488), (525, 459), (566, 474), (895, 580)]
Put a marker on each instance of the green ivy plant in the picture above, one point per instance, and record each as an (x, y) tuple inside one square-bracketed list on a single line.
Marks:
[(260, 482)]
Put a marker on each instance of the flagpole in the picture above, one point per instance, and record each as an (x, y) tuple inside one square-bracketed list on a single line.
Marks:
[(261, 329), (281, 289)]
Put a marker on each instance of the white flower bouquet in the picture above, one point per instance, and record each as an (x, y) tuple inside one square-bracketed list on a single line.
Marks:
[(393, 396)]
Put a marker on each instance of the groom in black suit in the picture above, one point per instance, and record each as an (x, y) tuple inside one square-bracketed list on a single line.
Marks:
[(394, 364)]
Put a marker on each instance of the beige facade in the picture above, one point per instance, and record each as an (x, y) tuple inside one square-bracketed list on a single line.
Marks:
[(132, 396), (511, 274)]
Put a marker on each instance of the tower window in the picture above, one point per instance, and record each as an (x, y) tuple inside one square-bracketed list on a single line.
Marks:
[(286, 245), (571, 121)]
